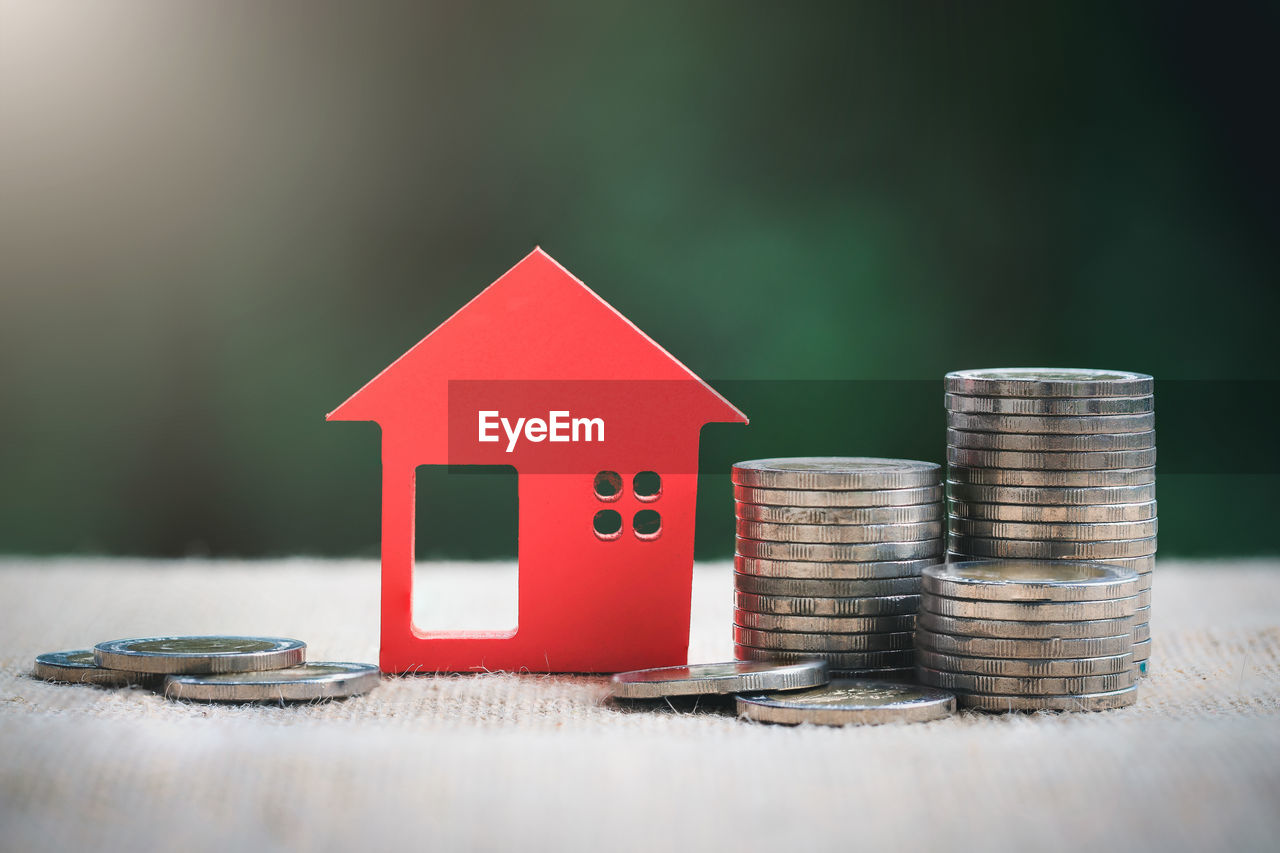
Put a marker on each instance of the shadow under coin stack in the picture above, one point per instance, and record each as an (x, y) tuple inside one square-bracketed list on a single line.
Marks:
[(1055, 464), (1029, 635), (829, 555)]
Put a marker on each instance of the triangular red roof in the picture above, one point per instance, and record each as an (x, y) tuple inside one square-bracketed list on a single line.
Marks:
[(536, 322)]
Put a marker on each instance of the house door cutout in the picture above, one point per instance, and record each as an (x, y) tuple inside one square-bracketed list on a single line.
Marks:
[(466, 517)]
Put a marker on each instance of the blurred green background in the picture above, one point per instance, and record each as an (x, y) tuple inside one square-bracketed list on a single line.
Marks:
[(217, 220)]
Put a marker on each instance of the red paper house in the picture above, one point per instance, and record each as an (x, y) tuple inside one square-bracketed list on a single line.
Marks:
[(540, 373)]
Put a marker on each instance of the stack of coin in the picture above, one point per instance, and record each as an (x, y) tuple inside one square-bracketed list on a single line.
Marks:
[(1029, 635), (211, 669), (829, 554), (1055, 464)]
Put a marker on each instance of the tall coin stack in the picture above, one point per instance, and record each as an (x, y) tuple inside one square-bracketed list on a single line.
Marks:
[(1055, 464), (829, 555), (1029, 635)]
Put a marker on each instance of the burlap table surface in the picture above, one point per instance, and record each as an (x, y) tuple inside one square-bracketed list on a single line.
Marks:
[(502, 761)]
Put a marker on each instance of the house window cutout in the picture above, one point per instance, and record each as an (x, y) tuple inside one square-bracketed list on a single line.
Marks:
[(466, 514), (647, 486), (647, 524), (607, 524), (608, 485)]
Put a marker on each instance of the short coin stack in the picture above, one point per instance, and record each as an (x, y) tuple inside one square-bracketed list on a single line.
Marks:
[(211, 669), (1055, 464), (1029, 635), (829, 554)]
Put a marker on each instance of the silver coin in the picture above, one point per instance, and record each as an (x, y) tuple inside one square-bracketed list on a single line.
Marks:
[(827, 498), (1024, 685), (837, 473), (196, 655), (1141, 668), (1079, 702), (789, 605), (78, 667), (1142, 614), (900, 674), (1015, 629), (825, 624), (1056, 479), (831, 571), (1073, 460), (1030, 581), (306, 682), (1050, 495), (1048, 382), (1142, 632), (1050, 405), (1042, 549), (840, 552), (1090, 514), (1141, 565), (822, 588), (872, 515), (1144, 582), (811, 642), (836, 661), (1052, 424), (1144, 597), (717, 678), (1071, 532), (1033, 443), (1040, 649), (840, 533), (1026, 667), (850, 702), (1030, 611), (1142, 649)]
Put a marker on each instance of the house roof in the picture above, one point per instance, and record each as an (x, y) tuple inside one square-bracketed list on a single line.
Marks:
[(536, 322)]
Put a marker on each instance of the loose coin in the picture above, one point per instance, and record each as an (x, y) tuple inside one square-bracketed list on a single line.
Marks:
[(837, 661), (1024, 685), (1050, 495), (836, 473), (832, 571), (827, 624), (1065, 461), (1050, 405), (717, 678), (811, 642), (1057, 479), (911, 514), (1046, 648), (840, 533), (786, 605), (1026, 667), (1090, 514), (839, 552), (1052, 424), (1052, 549), (1079, 702), (1030, 581), (1029, 611), (1142, 632), (1070, 531), (1142, 650), (164, 655), (306, 682), (1048, 382), (827, 588), (850, 702), (1019, 630), (827, 498), (1042, 443), (78, 667)]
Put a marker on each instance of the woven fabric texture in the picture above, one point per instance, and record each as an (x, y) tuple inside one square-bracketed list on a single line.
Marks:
[(509, 762)]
